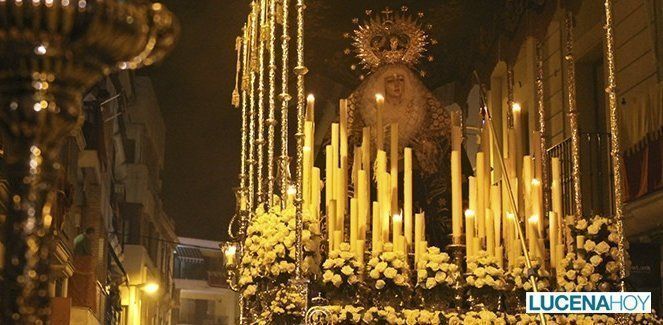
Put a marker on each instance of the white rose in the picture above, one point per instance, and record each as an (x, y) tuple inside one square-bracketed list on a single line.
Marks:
[(589, 245), (337, 280), (390, 272), (379, 284), (440, 276), (602, 247), (381, 266), (327, 276), (596, 260), (347, 270)]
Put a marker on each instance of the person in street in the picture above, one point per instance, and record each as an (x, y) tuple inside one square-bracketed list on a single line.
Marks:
[(83, 242)]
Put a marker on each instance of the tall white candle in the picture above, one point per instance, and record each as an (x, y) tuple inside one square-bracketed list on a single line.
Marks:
[(379, 129), (393, 160), (398, 226), (469, 232), (376, 231), (310, 108), (456, 196), (407, 194), (363, 204), (480, 195), (354, 224)]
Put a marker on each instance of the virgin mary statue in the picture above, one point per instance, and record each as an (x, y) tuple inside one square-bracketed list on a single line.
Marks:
[(390, 47)]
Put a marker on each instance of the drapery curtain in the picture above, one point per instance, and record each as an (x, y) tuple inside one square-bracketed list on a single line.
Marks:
[(643, 143)]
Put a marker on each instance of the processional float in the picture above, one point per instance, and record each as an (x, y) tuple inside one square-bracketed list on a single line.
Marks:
[(361, 254)]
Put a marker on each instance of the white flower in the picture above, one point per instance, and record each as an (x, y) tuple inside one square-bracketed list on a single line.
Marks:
[(440, 276), (379, 284), (327, 276), (374, 273), (347, 270), (589, 245), (381, 266), (595, 260), (602, 247), (430, 283), (337, 280), (390, 272)]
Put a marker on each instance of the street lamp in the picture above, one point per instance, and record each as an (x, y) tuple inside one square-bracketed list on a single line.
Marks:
[(150, 288)]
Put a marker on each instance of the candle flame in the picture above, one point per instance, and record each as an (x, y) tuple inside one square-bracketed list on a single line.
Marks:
[(379, 98), (469, 213), (533, 218), (231, 250), (510, 215), (398, 217), (515, 107), (310, 98), (536, 182), (292, 190)]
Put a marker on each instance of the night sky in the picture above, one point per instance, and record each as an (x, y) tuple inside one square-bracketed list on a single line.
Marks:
[(194, 86)]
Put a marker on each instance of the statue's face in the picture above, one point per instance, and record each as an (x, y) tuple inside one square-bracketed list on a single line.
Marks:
[(394, 85)]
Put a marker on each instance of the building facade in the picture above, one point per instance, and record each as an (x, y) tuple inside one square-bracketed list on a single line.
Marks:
[(200, 284), (111, 183)]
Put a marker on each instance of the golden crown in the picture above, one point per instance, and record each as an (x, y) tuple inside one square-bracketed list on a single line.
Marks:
[(389, 37)]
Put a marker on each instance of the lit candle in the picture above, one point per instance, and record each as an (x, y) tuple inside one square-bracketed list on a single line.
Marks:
[(379, 129), (469, 232), (310, 108), (407, 194), (536, 203), (292, 190), (517, 129), (532, 224), (230, 254)]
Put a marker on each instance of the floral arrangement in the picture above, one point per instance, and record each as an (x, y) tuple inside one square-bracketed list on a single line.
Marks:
[(286, 307), (341, 272), (596, 265), (434, 269), (388, 270), (478, 318), (518, 276), (387, 315), (390, 315), (484, 272), (417, 316), (269, 248), (347, 314)]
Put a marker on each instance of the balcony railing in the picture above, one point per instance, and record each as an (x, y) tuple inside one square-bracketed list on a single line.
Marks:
[(596, 173)]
